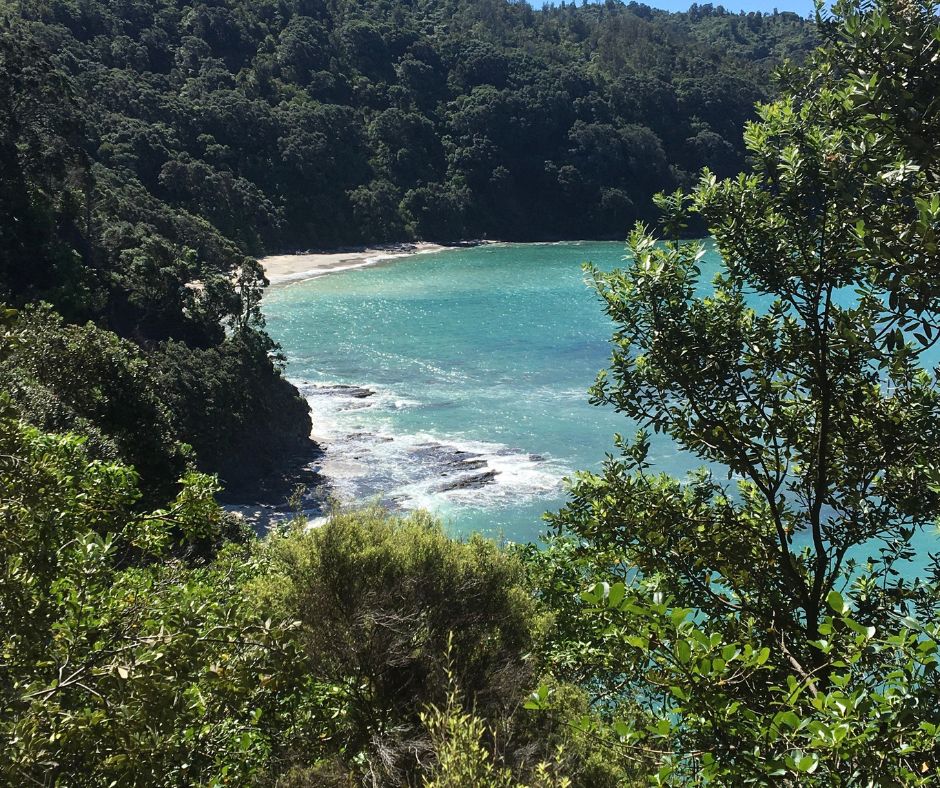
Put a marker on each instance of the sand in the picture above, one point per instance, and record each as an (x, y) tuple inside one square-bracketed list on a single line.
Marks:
[(283, 268)]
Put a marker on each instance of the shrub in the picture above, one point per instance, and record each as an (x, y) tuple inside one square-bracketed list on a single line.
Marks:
[(379, 599)]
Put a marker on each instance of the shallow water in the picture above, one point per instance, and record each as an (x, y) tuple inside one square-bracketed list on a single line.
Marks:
[(488, 351), (479, 360)]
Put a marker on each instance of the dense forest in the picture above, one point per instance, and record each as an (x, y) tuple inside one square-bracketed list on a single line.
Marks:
[(697, 631), (315, 123), (149, 151)]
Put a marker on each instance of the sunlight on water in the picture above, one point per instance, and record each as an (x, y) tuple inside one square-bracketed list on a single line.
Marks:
[(478, 361)]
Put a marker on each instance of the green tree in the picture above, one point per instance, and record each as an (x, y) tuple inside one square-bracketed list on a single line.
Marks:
[(83, 379), (419, 651), (382, 603), (770, 627), (44, 177), (121, 664)]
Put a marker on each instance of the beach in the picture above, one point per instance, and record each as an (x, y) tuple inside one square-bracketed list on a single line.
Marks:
[(454, 383), (283, 268)]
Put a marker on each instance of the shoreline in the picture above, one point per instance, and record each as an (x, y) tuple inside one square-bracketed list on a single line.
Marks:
[(286, 268)]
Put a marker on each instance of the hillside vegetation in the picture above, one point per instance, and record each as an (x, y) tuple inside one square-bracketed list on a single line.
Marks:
[(760, 628), (149, 151), (313, 123)]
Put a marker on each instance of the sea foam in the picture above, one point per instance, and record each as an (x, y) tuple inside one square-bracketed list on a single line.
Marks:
[(365, 459)]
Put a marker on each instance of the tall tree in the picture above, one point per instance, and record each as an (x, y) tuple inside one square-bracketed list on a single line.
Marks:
[(785, 593)]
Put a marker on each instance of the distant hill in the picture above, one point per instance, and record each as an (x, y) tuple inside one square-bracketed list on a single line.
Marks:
[(316, 123), (150, 150)]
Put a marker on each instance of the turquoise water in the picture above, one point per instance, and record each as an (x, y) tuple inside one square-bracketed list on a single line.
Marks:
[(488, 350), (479, 360)]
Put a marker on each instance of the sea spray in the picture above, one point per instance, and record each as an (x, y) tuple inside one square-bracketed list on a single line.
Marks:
[(478, 362)]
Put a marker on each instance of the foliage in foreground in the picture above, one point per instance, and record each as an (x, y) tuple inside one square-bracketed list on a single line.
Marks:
[(121, 661), (395, 617), (769, 628), (135, 651)]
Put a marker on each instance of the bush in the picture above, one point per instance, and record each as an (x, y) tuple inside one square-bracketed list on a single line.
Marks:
[(84, 379), (122, 665), (382, 602)]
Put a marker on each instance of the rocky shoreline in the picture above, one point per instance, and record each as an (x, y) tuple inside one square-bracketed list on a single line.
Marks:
[(450, 469), (458, 469)]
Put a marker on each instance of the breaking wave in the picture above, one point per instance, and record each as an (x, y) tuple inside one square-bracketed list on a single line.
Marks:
[(364, 459)]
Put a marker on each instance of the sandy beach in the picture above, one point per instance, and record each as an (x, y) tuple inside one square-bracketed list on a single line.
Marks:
[(283, 268)]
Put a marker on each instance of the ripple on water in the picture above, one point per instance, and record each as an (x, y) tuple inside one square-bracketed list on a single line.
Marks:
[(421, 469)]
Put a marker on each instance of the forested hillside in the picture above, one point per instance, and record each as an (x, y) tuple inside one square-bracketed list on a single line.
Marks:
[(149, 151), (315, 123)]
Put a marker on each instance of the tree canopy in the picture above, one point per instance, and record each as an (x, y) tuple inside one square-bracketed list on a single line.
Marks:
[(771, 627)]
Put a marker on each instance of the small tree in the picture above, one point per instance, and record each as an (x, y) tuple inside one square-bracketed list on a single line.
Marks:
[(121, 664), (728, 603)]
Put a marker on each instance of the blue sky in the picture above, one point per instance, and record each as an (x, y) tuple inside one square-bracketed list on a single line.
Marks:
[(801, 7)]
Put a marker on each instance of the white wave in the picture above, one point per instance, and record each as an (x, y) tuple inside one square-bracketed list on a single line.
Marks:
[(364, 458)]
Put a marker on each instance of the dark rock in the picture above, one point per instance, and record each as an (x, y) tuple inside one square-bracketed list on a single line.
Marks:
[(368, 436), (470, 482), (338, 389), (354, 391)]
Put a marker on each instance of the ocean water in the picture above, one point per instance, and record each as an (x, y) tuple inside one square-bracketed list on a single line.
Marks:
[(457, 381), (488, 351)]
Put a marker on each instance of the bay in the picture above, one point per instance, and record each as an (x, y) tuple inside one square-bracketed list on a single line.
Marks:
[(469, 367), (488, 350)]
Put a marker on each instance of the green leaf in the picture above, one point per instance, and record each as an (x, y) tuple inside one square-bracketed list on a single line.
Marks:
[(683, 651), (808, 763), (836, 602), (616, 595)]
